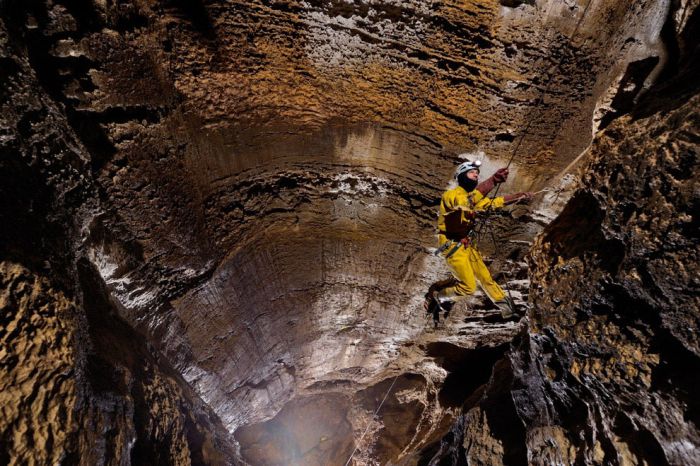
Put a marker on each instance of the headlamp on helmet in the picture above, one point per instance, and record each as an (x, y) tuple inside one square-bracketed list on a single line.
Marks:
[(464, 167)]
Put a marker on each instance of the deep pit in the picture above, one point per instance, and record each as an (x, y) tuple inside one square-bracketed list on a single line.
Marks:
[(218, 221)]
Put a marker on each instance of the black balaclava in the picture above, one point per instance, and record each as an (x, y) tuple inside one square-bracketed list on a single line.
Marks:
[(466, 183)]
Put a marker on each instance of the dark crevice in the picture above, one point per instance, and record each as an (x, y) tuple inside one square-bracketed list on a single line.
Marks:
[(502, 415), (628, 89), (122, 365), (48, 70), (675, 86), (670, 40), (642, 443), (448, 451), (678, 373), (195, 11), (456, 118), (88, 19), (468, 369), (505, 137), (516, 3), (32, 233), (572, 234)]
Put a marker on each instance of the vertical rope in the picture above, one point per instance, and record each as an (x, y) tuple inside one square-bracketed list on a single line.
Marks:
[(529, 123), (510, 161), (376, 411)]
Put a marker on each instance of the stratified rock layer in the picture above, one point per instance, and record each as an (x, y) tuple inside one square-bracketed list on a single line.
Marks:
[(235, 201), (77, 384)]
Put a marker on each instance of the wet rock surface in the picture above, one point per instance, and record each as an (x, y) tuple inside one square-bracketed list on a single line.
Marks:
[(229, 208)]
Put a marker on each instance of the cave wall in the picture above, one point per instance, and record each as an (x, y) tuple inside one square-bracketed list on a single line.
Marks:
[(251, 186), (608, 369), (78, 385), (298, 136), (616, 328)]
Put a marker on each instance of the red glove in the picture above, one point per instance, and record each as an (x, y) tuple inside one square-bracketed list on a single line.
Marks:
[(500, 176), (524, 197), (489, 183)]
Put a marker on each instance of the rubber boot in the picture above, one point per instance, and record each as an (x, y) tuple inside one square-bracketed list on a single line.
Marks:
[(507, 307), (430, 299)]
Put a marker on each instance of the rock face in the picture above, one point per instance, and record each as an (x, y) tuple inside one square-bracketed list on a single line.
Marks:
[(219, 216), (614, 332), (607, 372), (78, 385)]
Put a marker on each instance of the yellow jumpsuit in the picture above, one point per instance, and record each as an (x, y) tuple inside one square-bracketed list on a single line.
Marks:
[(466, 263)]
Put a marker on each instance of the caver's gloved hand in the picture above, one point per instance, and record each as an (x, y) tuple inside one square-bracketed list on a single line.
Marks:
[(487, 185), (468, 213), (523, 197), (501, 175)]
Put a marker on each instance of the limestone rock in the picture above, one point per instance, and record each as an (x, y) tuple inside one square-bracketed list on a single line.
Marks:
[(228, 210), (607, 372)]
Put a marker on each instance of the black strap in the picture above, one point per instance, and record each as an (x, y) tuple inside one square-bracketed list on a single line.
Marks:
[(454, 250)]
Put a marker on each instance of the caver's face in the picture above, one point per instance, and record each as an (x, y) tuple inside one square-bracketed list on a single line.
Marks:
[(473, 174)]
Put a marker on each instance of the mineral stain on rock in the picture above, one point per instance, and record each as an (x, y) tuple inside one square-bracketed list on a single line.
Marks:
[(217, 224)]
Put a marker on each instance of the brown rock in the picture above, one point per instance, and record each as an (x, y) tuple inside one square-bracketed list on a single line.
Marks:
[(231, 207)]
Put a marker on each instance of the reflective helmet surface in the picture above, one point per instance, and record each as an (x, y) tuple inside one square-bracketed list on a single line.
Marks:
[(466, 166)]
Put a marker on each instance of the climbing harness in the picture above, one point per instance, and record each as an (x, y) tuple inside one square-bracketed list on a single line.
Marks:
[(444, 247), (458, 244), (455, 245)]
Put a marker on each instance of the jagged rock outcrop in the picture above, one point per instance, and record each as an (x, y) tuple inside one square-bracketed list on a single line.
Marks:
[(616, 328), (77, 384), (232, 206), (607, 372)]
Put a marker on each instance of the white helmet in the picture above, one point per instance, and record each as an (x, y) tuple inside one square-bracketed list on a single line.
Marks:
[(466, 166)]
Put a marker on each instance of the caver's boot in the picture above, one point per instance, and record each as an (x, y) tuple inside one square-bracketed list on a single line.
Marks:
[(437, 302), (507, 307), (432, 305), (430, 301), (445, 299)]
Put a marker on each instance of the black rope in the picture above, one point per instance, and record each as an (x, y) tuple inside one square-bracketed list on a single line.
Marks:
[(511, 303), (531, 120)]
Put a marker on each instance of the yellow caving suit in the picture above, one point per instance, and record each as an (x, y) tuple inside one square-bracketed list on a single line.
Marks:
[(466, 263)]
